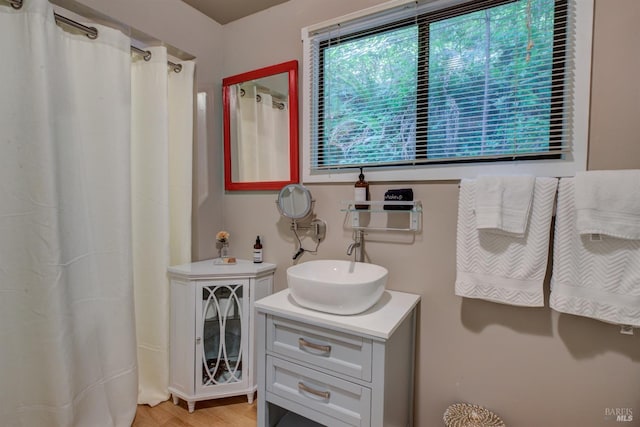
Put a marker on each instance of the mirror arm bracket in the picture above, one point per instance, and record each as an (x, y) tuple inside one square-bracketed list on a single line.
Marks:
[(317, 226)]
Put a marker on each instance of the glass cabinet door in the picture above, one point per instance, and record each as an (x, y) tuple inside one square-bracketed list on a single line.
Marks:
[(223, 348)]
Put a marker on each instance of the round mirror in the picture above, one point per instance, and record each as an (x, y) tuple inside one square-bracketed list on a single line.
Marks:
[(294, 201)]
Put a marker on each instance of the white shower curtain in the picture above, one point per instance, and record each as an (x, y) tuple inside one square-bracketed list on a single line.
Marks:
[(66, 308), (162, 140), (263, 137), (67, 323), (246, 127), (273, 138)]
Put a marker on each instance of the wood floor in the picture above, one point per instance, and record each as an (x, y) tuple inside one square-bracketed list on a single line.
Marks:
[(229, 412)]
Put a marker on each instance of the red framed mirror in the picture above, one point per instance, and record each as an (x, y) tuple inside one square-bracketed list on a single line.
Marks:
[(261, 128)]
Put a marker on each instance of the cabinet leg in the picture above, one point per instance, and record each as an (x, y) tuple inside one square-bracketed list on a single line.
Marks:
[(192, 405), (250, 397), (176, 400)]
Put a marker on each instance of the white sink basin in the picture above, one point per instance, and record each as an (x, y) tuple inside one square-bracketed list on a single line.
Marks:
[(337, 286)]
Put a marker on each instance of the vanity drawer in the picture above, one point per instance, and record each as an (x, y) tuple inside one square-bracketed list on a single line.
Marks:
[(342, 400), (338, 352)]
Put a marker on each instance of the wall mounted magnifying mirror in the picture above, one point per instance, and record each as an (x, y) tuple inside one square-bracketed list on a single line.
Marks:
[(295, 201), (261, 128)]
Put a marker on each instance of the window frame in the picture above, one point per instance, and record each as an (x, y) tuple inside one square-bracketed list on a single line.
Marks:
[(372, 17)]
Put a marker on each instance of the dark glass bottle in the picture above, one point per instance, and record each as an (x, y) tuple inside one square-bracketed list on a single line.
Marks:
[(361, 191), (257, 251)]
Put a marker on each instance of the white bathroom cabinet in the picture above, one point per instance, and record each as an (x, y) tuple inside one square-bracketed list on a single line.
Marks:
[(336, 370), (212, 350)]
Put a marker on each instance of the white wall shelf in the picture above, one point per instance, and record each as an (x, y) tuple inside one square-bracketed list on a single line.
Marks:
[(410, 209)]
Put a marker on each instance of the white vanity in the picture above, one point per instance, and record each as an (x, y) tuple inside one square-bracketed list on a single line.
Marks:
[(335, 370), (212, 351)]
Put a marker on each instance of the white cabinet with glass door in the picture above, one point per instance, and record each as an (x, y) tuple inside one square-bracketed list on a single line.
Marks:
[(212, 351)]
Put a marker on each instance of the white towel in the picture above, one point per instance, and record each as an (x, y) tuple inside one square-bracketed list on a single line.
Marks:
[(594, 278), (501, 267), (608, 202), (503, 203)]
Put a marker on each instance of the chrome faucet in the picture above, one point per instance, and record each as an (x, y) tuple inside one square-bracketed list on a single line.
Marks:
[(358, 245), (351, 247)]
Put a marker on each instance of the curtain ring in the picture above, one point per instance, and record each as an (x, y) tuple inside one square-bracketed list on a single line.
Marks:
[(93, 34)]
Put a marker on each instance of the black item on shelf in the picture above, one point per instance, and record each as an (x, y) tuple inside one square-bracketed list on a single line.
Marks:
[(398, 195)]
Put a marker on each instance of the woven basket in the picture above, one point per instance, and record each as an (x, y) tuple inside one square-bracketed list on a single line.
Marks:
[(468, 415)]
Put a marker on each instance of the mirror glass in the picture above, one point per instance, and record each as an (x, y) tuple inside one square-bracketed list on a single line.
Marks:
[(294, 201), (261, 128)]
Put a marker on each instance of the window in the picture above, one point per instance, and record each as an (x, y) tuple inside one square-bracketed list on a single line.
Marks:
[(438, 91)]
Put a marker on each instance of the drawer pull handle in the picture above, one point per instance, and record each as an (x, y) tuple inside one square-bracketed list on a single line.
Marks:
[(323, 348), (323, 394)]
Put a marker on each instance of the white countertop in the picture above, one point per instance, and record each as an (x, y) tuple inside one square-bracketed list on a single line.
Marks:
[(208, 270), (380, 321)]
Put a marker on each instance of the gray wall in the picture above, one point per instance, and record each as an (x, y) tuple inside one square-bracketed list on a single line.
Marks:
[(534, 367)]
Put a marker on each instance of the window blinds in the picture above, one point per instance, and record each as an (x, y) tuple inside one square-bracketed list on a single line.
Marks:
[(482, 80)]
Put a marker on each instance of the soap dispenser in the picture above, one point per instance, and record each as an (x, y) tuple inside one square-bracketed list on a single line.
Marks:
[(361, 191)]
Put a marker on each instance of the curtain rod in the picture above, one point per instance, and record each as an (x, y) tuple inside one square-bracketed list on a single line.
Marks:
[(92, 33)]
